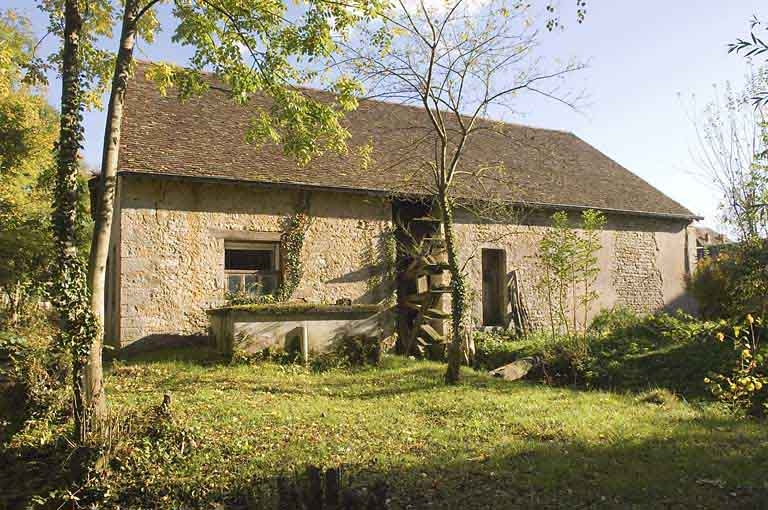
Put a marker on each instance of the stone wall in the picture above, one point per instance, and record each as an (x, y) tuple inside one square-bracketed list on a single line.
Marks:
[(644, 262), (171, 257), (636, 275), (169, 265)]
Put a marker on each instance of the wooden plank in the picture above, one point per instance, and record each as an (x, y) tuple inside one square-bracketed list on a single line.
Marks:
[(432, 333), (421, 297), (412, 271), (410, 305), (437, 268), (422, 266), (437, 314), (422, 284), (435, 241)]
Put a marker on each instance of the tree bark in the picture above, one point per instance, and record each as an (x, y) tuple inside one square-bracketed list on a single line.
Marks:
[(69, 265), (458, 290), (104, 207)]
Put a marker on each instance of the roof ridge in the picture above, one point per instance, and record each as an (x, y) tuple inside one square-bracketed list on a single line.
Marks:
[(213, 75), (204, 137)]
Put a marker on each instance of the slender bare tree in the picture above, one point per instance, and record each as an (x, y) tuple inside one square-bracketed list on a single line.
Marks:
[(730, 152), (458, 61)]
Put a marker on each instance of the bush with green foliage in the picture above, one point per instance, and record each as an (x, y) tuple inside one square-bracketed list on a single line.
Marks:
[(734, 283), (624, 350), (661, 327), (344, 352), (39, 370), (609, 320), (744, 387), (562, 357), (567, 258), (348, 352), (494, 349)]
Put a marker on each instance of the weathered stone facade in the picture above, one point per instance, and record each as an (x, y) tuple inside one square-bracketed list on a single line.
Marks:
[(167, 262), (636, 276), (644, 261), (169, 265)]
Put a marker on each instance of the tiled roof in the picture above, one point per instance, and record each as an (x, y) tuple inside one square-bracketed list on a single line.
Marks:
[(204, 137)]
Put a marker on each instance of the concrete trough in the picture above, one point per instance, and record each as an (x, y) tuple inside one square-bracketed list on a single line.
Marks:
[(294, 326)]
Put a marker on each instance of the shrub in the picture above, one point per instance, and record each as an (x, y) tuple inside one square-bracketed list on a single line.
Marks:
[(563, 358), (566, 359), (567, 259), (679, 327), (621, 325), (621, 349), (348, 352), (247, 298), (734, 283), (611, 320), (744, 388), (493, 349), (38, 369)]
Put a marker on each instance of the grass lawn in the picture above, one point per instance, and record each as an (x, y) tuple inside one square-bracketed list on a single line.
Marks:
[(481, 444)]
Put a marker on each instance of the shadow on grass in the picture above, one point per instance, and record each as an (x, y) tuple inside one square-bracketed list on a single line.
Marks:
[(30, 473), (717, 465), (697, 463), (680, 368), (681, 471), (194, 349)]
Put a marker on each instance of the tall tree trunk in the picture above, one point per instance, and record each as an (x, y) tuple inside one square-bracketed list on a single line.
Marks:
[(14, 299), (458, 290), (104, 207), (70, 293)]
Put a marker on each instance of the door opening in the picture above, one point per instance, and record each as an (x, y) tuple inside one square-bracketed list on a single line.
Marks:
[(494, 279)]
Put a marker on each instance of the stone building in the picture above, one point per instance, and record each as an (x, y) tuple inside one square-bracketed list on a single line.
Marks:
[(199, 211), (709, 243)]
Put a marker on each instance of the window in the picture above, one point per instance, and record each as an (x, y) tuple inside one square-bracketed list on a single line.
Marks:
[(251, 267)]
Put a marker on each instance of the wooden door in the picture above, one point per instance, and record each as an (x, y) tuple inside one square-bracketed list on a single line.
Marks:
[(494, 275)]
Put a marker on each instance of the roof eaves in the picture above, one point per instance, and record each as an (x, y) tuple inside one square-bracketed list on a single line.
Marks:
[(384, 193)]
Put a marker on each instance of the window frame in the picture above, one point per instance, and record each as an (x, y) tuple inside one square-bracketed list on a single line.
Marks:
[(258, 274)]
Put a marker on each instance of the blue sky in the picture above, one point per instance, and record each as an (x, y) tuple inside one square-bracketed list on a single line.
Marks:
[(642, 55)]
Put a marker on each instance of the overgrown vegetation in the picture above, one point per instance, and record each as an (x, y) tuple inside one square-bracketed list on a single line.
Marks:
[(567, 256), (296, 307), (291, 244), (735, 282), (233, 429), (37, 373), (744, 385), (625, 352)]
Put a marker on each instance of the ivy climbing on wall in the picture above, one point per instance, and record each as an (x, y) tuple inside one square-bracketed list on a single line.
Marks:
[(291, 244), (381, 259)]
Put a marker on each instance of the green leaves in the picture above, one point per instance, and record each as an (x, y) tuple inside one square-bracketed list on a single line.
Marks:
[(258, 47), (568, 261), (28, 130), (753, 46), (98, 18)]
